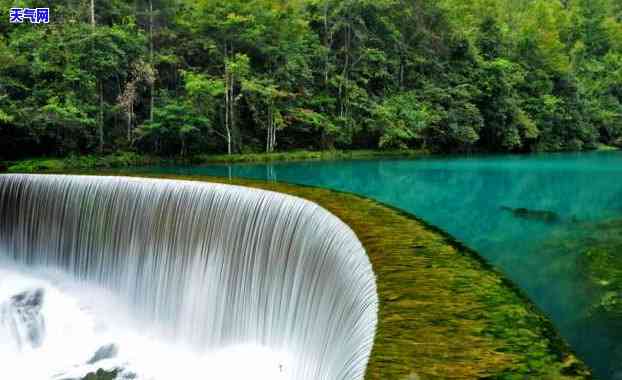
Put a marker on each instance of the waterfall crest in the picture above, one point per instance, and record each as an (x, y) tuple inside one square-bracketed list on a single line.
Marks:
[(209, 265)]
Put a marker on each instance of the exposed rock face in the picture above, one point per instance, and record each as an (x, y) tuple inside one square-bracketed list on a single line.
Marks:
[(108, 351), (103, 375)]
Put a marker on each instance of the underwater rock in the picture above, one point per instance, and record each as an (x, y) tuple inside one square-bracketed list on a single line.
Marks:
[(538, 215), (597, 248), (108, 351), (602, 265)]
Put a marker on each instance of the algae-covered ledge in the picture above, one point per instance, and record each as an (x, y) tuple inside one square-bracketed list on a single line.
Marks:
[(444, 313)]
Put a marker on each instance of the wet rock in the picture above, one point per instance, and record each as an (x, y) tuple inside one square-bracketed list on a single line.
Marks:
[(101, 375), (108, 351), (29, 299)]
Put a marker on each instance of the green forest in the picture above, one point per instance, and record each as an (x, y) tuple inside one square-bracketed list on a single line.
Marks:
[(178, 78)]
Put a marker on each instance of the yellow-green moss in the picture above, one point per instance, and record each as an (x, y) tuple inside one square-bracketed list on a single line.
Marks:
[(597, 245), (444, 312)]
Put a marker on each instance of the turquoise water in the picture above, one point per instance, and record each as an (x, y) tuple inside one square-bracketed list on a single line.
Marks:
[(465, 195)]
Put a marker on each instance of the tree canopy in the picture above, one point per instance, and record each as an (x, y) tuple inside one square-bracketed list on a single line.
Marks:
[(173, 77)]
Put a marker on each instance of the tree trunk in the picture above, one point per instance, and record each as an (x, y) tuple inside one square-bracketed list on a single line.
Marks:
[(269, 130), (326, 43), (232, 121), (101, 117), (272, 129), (152, 84), (119, 91), (228, 120), (101, 92), (93, 13), (227, 130), (227, 103), (401, 70), (343, 85), (236, 138), (129, 126)]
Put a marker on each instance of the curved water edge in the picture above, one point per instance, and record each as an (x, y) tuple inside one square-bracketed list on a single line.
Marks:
[(441, 306), (513, 210), (206, 267)]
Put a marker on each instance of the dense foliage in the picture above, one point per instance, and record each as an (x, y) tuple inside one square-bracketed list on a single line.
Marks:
[(173, 77)]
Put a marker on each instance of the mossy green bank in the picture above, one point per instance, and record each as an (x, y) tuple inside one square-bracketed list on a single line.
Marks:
[(125, 159), (444, 312)]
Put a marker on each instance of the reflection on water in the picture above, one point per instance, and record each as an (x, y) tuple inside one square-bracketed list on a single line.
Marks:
[(475, 199)]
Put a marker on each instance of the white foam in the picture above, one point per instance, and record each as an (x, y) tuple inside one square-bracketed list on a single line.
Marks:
[(78, 322), (189, 279)]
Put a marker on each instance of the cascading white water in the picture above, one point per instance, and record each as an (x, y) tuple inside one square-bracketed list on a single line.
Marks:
[(21, 316), (223, 271)]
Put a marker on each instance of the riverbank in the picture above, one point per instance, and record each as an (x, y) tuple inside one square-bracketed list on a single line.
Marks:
[(125, 159), (444, 313)]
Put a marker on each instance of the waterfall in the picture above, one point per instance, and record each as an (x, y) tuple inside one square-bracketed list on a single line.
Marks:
[(209, 266)]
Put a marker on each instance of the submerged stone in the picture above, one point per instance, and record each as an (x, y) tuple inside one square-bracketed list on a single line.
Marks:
[(598, 250), (537, 215)]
